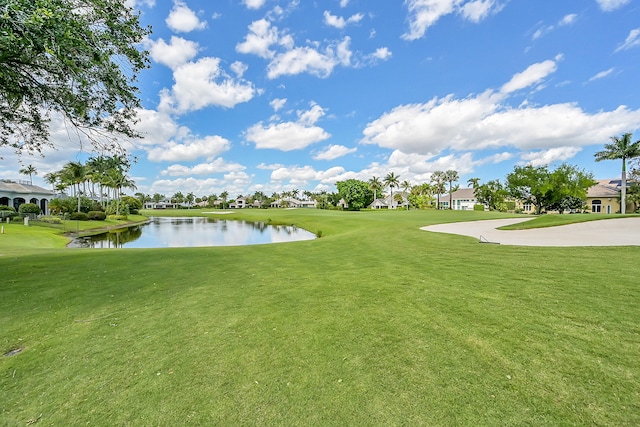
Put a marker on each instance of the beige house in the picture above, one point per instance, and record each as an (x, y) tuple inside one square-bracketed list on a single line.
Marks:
[(386, 202), (604, 197)]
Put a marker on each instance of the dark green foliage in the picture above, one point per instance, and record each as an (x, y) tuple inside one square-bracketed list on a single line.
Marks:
[(545, 189), (76, 58), (134, 204), (7, 208), (356, 193), (78, 216), (29, 208), (478, 208), (491, 194), (96, 216)]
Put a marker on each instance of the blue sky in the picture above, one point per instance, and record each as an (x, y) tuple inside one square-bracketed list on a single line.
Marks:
[(270, 95)]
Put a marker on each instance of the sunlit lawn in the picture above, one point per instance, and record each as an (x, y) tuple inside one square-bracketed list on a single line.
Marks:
[(375, 323)]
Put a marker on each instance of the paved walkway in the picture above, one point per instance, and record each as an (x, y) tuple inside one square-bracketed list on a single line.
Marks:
[(606, 232)]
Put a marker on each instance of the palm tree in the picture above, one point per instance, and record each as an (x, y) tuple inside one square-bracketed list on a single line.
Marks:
[(473, 182), (620, 148), (223, 197), (376, 185), (391, 180), (74, 174), (406, 186), (29, 170), (437, 178), (451, 176)]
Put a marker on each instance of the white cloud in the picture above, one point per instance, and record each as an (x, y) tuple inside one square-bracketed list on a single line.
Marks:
[(287, 136), (425, 13), (262, 35), (339, 21), (174, 54), (632, 40), (278, 103), (487, 121), (332, 152), (239, 68), (214, 167), (344, 3), (273, 167), (568, 19), (207, 147), (301, 60), (609, 5), (137, 3), (382, 53), (181, 19), (476, 11), (546, 157), (532, 75), (203, 83), (602, 74), (253, 4)]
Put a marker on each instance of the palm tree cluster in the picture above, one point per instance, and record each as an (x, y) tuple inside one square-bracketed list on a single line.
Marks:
[(100, 178)]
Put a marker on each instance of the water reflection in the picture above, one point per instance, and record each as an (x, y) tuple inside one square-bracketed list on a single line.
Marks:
[(185, 232)]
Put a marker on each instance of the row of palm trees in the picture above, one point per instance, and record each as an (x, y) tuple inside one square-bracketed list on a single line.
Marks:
[(101, 178), (435, 187)]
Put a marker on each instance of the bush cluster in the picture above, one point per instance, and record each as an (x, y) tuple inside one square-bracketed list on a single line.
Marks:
[(96, 216), (29, 208), (78, 216)]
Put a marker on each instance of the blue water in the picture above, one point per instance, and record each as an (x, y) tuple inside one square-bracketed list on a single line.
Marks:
[(189, 232)]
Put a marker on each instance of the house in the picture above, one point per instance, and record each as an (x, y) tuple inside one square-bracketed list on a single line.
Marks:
[(385, 203), (239, 203), (604, 197), (161, 205), (290, 202), (462, 199), (15, 193)]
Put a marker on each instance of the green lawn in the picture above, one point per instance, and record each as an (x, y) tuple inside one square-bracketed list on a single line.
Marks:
[(375, 323)]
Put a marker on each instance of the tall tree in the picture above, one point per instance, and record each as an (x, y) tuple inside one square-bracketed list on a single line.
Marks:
[(437, 178), (545, 189), (473, 182), (356, 193), (29, 170), (406, 186), (74, 174), (451, 176), (620, 149), (492, 194), (76, 58), (391, 180), (375, 185)]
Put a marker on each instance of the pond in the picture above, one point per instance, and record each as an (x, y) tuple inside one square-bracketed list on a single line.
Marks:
[(188, 232)]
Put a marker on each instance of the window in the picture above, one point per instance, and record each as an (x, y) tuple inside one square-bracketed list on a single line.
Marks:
[(526, 207), (596, 206)]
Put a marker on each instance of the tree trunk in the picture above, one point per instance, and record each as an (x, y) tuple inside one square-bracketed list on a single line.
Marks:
[(623, 190)]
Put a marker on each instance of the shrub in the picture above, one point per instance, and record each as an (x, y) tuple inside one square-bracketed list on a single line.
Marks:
[(96, 216), (51, 219), (29, 208), (7, 208), (78, 216), (478, 207), (117, 217)]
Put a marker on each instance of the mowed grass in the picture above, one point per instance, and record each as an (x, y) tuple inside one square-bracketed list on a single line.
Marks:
[(375, 323), (553, 220)]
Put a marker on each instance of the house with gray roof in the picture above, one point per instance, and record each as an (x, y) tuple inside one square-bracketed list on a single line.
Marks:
[(16, 192)]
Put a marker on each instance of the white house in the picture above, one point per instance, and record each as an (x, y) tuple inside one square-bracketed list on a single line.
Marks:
[(239, 203), (463, 199), (290, 202), (16, 193), (385, 203)]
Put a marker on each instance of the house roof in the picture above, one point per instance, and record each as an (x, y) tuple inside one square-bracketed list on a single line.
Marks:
[(462, 193), (605, 188), (8, 186)]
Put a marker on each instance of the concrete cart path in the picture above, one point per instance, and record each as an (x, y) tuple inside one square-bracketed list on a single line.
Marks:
[(606, 232)]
